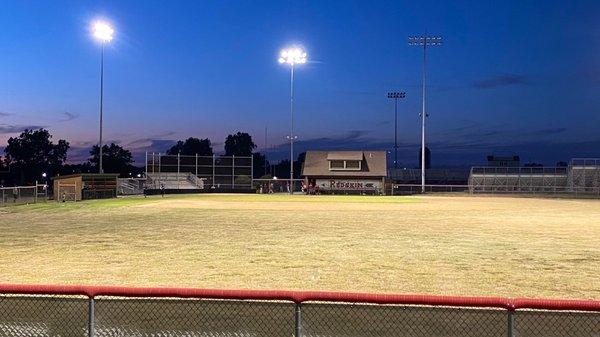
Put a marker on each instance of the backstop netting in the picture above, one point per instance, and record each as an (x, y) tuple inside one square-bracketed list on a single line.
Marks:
[(179, 172)]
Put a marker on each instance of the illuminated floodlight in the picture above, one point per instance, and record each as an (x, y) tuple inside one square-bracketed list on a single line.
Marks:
[(103, 31), (292, 56)]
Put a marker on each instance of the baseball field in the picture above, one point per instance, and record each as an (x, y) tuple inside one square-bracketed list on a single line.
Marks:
[(455, 245)]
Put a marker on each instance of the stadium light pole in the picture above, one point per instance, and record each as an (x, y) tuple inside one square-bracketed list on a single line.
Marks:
[(395, 96), (292, 57), (103, 32), (424, 41)]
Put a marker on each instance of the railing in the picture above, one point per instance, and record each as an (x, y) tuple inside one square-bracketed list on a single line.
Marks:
[(198, 182), (403, 189), (585, 162), (29, 310), (130, 186)]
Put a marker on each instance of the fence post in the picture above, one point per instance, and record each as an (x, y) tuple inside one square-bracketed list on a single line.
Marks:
[(511, 323), (213, 173), (91, 317), (178, 158), (252, 170), (196, 165), (232, 171), (297, 321)]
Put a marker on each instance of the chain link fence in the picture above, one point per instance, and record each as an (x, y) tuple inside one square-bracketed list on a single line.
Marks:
[(19, 195), (181, 172), (85, 311)]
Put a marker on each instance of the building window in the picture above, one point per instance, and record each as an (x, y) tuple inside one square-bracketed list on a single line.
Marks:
[(352, 165), (336, 165), (344, 165)]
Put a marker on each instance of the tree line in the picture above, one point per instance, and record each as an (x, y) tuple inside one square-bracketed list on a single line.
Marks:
[(34, 156)]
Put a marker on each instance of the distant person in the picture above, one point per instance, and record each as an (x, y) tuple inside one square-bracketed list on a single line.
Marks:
[(162, 190), (145, 191)]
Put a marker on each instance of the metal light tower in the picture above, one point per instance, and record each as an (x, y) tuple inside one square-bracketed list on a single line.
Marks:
[(424, 41), (395, 96), (104, 33), (292, 57)]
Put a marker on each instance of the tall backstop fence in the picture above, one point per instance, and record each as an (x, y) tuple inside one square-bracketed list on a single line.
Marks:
[(19, 195), (581, 177), (180, 172), (27, 310)]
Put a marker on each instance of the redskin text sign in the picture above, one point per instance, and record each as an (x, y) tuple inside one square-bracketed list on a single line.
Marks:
[(349, 184)]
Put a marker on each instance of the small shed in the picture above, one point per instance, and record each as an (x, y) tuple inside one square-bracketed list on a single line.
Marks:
[(85, 186)]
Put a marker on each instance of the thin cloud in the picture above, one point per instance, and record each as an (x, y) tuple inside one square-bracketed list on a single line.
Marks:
[(67, 116), (142, 142), (501, 81), (10, 129), (550, 131), (4, 114)]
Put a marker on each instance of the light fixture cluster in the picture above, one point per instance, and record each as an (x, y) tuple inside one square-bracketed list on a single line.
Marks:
[(292, 56), (422, 40), (103, 31)]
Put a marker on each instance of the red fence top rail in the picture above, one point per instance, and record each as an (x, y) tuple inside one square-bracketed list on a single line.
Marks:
[(304, 296)]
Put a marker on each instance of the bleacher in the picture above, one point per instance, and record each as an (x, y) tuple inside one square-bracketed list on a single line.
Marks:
[(174, 181)]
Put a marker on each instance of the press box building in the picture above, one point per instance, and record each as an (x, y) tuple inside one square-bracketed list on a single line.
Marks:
[(346, 172)]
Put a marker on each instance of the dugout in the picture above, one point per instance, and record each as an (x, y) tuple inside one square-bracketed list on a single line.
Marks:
[(345, 172), (85, 186)]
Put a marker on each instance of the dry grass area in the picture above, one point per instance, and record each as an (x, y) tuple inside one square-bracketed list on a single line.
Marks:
[(456, 245)]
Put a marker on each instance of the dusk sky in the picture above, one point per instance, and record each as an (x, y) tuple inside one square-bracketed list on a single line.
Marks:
[(518, 77)]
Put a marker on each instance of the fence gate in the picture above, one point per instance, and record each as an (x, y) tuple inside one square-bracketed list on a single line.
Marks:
[(66, 192)]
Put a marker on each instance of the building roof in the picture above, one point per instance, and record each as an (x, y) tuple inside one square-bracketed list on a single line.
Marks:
[(374, 163), (344, 155), (85, 175)]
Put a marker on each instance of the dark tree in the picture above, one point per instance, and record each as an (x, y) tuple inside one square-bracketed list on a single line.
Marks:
[(260, 164), (239, 144), (34, 153), (533, 165), (115, 159), (77, 168), (191, 147), (562, 164), (301, 157), (427, 158)]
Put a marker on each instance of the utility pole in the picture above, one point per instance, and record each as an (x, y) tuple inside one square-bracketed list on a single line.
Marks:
[(424, 41)]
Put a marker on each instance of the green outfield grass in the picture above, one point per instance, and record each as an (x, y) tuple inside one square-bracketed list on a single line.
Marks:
[(457, 245)]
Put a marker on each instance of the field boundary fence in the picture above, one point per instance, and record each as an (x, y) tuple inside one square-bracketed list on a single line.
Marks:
[(27, 310), (407, 189), (18, 195)]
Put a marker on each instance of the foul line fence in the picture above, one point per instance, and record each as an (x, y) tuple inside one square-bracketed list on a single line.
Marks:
[(47, 310)]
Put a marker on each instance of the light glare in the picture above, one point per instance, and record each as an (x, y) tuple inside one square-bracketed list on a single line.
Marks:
[(293, 56), (103, 31)]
